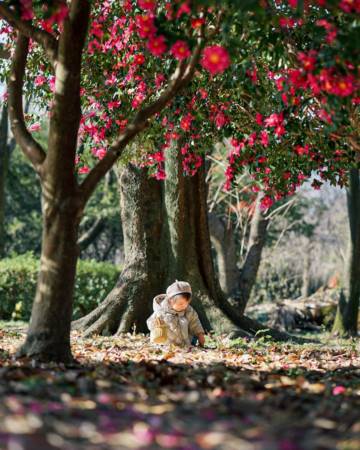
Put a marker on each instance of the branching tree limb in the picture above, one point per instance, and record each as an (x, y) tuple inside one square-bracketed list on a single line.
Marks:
[(27, 143), (42, 37)]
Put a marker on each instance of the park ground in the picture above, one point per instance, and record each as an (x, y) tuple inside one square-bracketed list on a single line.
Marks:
[(126, 394)]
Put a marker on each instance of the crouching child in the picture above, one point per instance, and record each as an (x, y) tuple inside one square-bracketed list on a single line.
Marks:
[(174, 320)]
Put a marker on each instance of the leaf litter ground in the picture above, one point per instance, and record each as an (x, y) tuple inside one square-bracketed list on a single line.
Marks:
[(127, 394)]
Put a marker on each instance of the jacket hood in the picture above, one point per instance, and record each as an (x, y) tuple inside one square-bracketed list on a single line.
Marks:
[(160, 302)]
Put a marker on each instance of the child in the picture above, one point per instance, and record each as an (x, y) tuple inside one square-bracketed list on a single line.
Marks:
[(173, 310)]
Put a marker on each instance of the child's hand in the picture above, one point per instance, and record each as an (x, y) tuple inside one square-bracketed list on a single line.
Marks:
[(201, 338)]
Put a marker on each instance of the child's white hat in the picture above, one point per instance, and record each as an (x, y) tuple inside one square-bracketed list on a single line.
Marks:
[(179, 287)]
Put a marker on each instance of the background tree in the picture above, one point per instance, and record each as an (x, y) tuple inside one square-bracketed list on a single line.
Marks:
[(346, 321)]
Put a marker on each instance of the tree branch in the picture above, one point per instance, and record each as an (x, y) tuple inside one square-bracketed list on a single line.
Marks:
[(28, 144), (42, 37), (181, 77), (92, 233)]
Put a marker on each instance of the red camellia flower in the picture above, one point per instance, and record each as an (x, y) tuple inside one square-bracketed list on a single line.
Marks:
[(139, 59), (147, 5), (156, 45), (26, 9), (185, 123), (145, 25), (196, 23), (180, 50), (215, 59)]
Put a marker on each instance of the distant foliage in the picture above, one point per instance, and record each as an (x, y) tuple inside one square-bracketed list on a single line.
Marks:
[(18, 278)]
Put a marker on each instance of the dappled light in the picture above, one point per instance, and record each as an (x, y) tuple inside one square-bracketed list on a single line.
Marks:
[(232, 394)]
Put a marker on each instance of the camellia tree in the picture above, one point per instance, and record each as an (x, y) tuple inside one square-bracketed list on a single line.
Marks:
[(120, 86), (272, 125), (55, 39)]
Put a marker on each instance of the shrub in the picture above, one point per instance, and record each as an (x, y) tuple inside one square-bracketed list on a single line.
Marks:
[(18, 276)]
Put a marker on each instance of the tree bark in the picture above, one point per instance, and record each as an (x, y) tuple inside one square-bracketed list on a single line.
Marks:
[(48, 336), (346, 322), (253, 256), (4, 165), (223, 239), (129, 304), (305, 287), (167, 237), (235, 282)]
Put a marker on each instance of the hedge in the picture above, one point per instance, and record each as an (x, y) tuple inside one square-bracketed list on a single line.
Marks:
[(18, 276)]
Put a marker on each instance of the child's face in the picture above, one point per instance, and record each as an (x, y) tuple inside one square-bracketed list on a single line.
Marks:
[(180, 303)]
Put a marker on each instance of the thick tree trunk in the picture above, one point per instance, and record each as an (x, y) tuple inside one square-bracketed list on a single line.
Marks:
[(48, 336), (346, 322), (164, 241), (4, 165), (129, 304)]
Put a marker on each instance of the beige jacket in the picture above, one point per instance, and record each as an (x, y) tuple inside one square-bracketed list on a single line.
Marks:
[(181, 326)]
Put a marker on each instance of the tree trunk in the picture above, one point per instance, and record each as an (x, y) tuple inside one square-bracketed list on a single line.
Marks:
[(251, 265), (48, 336), (166, 237), (4, 165), (346, 322), (223, 239), (234, 282), (130, 302), (305, 287), (190, 257)]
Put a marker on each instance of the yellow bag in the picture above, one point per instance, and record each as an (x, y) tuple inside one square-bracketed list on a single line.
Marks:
[(158, 335)]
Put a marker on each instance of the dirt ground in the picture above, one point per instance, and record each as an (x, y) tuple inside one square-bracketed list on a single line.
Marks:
[(236, 395)]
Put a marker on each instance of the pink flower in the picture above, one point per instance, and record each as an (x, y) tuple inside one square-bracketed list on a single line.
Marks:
[(350, 6), (264, 138), (156, 45), (34, 127), (279, 131), (147, 5), (274, 120), (292, 3), (220, 120), (100, 152), (252, 74), (113, 104), (52, 84), (26, 9), (84, 169), (215, 59), (203, 93), (196, 23), (139, 59), (185, 123), (159, 79), (266, 202), (145, 25), (301, 150), (183, 9), (338, 390), (308, 60), (160, 174), (180, 50), (40, 80), (259, 118)]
